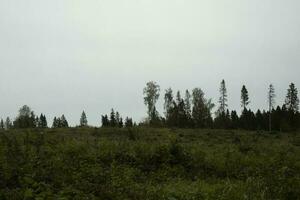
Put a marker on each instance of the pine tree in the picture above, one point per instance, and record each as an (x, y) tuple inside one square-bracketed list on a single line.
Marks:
[(244, 97), (271, 101), (292, 100), (83, 119)]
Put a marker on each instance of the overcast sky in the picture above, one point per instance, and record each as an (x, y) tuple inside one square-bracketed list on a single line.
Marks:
[(65, 56)]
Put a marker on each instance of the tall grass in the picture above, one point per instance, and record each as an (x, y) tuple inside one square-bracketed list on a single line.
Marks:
[(145, 163)]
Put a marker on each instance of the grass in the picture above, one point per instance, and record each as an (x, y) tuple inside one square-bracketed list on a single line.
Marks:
[(146, 163)]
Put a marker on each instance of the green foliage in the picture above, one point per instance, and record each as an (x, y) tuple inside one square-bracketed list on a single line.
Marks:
[(145, 163), (223, 98), (25, 119), (115, 120), (151, 95), (60, 122), (201, 112), (42, 121), (83, 120), (2, 126), (244, 97), (292, 100)]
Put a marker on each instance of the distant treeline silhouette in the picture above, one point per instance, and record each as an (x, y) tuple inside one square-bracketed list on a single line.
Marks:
[(193, 110), (27, 119)]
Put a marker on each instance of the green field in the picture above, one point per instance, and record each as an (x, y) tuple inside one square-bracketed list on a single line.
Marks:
[(145, 163)]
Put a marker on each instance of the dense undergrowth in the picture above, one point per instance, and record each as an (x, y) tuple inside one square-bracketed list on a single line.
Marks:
[(144, 163)]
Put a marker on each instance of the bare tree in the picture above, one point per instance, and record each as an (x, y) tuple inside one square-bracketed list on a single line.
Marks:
[(168, 105), (271, 101), (223, 98)]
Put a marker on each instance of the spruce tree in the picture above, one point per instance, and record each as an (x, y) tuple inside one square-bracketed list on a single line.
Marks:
[(37, 119), (259, 121), (45, 124), (173, 116), (181, 115), (113, 121), (244, 97), (83, 119), (120, 123), (40, 121), (64, 122), (105, 121), (292, 100), (222, 119), (234, 119), (55, 124)]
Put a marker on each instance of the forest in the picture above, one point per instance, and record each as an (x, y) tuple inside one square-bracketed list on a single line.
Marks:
[(193, 110)]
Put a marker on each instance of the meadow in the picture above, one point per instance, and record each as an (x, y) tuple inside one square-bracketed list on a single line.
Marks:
[(148, 163)]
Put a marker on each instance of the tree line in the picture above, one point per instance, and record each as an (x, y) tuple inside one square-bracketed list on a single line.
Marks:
[(27, 119), (194, 110), (191, 110)]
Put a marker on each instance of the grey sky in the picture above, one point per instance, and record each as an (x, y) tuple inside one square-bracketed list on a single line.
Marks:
[(65, 56)]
